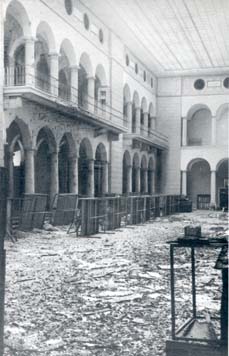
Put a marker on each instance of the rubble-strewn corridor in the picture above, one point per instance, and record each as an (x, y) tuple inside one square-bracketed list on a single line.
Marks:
[(105, 295)]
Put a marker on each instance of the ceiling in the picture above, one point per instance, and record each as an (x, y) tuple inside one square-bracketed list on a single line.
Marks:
[(171, 37)]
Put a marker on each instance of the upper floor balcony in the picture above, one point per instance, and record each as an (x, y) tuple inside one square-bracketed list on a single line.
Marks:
[(141, 128)]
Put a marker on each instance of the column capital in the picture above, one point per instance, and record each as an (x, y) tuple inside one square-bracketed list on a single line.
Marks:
[(90, 77), (53, 55), (30, 149), (129, 102), (184, 117), (213, 171), (73, 156), (74, 67), (28, 39)]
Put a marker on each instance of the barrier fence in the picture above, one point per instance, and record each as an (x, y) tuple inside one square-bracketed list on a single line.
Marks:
[(87, 216)]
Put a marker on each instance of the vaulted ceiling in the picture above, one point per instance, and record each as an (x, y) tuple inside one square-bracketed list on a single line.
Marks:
[(171, 37)]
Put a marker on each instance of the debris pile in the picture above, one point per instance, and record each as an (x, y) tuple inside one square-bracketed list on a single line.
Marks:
[(103, 296)]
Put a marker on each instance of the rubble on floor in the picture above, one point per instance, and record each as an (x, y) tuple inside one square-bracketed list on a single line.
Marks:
[(107, 296)]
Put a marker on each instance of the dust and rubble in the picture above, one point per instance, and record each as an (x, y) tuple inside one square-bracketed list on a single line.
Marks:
[(106, 296)]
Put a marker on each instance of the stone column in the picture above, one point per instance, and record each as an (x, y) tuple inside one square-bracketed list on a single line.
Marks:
[(11, 175), (74, 84), (184, 182), (213, 131), (145, 177), (73, 174), (54, 189), (54, 71), (30, 61), (184, 131), (152, 176), (129, 179), (138, 120), (213, 188), (91, 93), (29, 171), (138, 180), (91, 184), (129, 115), (105, 177)]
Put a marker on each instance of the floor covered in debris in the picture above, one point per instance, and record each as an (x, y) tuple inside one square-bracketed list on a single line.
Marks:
[(108, 295)]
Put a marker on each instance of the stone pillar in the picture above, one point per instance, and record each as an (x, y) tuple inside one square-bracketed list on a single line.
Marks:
[(213, 130), (184, 131), (73, 174), (184, 183), (145, 128), (105, 177), (29, 171), (91, 93), (10, 72), (145, 177), (54, 189), (129, 179), (138, 180), (74, 84), (54, 72), (30, 61), (91, 184), (213, 188), (129, 115), (138, 120), (153, 181), (11, 175)]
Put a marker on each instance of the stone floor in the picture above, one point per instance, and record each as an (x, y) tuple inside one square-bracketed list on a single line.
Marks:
[(108, 295)]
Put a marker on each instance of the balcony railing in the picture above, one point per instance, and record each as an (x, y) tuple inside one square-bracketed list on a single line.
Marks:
[(65, 94)]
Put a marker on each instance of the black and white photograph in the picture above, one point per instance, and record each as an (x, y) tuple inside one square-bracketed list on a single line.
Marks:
[(114, 126)]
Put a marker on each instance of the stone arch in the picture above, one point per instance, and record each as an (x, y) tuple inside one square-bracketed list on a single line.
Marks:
[(67, 47), (85, 170), (100, 170), (45, 32), (45, 162), (66, 60), (66, 162), (100, 84), (144, 104), (126, 93), (24, 131), (199, 125), (222, 124), (152, 122), (19, 141), (44, 46), (198, 181), (136, 173), (16, 27), (126, 173), (126, 100), (17, 10), (195, 108), (84, 73), (144, 175), (86, 63), (151, 175), (135, 106), (101, 74), (222, 183)]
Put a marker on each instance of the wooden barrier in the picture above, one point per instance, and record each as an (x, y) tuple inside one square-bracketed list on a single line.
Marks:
[(94, 215)]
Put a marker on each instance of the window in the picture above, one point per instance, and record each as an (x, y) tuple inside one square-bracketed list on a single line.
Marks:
[(136, 68), (199, 84), (127, 60), (68, 6), (86, 21), (144, 76), (101, 37), (226, 83), (151, 82)]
